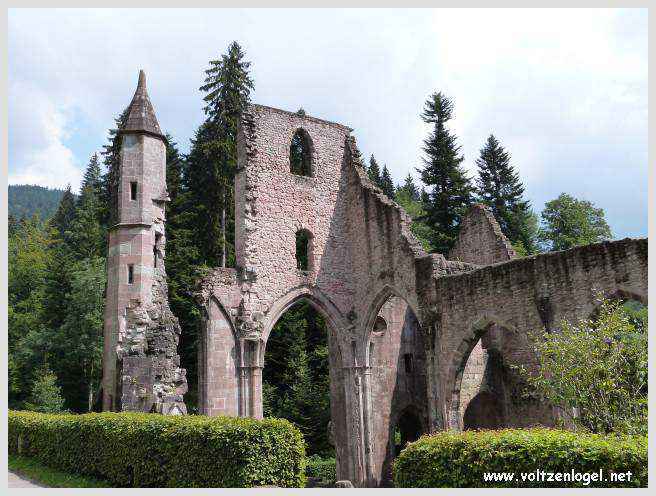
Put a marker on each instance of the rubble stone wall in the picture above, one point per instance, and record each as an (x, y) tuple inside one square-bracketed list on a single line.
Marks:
[(364, 263)]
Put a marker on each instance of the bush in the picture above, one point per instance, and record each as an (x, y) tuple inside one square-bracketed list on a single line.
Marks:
[(149, 450), (322, 468), (595, 370), (459, 459)]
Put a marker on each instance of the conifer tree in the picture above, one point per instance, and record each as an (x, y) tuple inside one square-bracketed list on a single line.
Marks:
[(410, 188), (65, 215), (499, 187), (227, 87), (92, 178), (112, 159), (386, 183), (450, 191), (374, 171), (86, 232)]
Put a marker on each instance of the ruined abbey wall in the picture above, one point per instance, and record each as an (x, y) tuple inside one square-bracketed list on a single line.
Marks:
[(402, 323), (417, 342)]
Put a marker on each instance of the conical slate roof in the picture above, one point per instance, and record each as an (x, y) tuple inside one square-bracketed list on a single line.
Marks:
[(141, 115)]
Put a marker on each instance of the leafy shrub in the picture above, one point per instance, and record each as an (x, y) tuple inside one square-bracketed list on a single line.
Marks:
[(148, 450), (322, 468), (459, 459), (595, 370)]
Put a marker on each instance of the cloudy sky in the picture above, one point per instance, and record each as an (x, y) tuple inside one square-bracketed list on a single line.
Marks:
[(564, 90)]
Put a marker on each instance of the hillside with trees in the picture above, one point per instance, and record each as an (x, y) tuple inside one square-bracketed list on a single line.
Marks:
[(24, 200)]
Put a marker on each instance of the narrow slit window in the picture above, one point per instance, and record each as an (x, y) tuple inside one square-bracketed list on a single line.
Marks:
[(303, 250), (130, 274), (133, 190)]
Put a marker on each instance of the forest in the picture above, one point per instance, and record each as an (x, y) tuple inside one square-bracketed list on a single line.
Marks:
[(57, 261)]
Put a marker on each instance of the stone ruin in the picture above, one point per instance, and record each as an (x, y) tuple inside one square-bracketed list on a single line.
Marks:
[(418, 342)]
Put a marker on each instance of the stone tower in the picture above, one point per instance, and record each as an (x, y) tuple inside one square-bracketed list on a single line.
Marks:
[(141, 367)]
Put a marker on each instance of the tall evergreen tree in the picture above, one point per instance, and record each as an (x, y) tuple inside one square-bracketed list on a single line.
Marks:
[(386, 183), (65, 215), (374, 171), (499, 187), (86, 232), (92, 178), (227, 86), (112, 160), (450, 191)]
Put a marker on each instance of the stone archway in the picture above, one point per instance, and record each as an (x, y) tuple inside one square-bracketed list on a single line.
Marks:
[(478, 373), (395, 381), (339, 428)]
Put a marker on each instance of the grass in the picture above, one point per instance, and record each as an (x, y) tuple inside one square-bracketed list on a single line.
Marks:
[(49, 477)]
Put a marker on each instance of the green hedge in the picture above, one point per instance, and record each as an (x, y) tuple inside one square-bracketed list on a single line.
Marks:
[(460, 459), (322, 468), (148, 450)]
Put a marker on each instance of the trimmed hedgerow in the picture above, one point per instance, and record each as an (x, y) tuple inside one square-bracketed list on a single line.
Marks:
[(324, 469), (149, 450), (460, 459)]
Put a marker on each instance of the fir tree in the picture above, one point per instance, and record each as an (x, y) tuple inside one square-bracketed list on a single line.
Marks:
[(65, 215), (410, 188), (227, 86), (86, 232), (182, 262), (374, 171), (112, 159), (499, 187), (450, 189), (92, 178), (386, 183)]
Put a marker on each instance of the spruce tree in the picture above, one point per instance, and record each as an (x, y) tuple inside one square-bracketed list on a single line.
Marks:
[(499, 187), (450, 191), (386, 183), (227, 87), (92, 178), (374, 171), (86, 232), (65, 215), (112, 160)]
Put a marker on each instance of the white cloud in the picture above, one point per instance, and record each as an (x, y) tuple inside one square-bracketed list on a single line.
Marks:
[(37, 132), (564, 90)]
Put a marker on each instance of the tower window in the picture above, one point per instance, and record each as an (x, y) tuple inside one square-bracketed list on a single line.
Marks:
[(130, 274), (300, 154), (303, 239), (133, 190)]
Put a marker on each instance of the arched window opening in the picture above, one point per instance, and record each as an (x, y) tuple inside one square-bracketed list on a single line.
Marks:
[(296, 375), (300, 154), (380, 326), (303, 241)]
